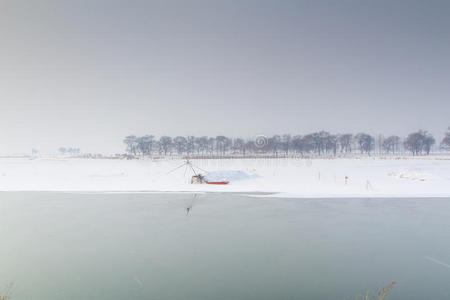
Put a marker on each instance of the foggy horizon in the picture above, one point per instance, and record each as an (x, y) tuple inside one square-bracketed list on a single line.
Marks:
[(86, 74)]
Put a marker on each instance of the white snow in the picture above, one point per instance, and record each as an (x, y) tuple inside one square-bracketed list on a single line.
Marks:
[(413, 175), (228, 175), (367, 177)]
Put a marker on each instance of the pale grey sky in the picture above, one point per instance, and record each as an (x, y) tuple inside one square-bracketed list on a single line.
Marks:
[(86, 73)]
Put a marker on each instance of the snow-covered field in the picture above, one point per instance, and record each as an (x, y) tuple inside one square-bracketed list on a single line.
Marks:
[(367, 177)]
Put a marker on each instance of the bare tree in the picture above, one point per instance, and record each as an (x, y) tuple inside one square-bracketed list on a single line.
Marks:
[(211, 145), (145, 144), (190, 144), (149, 143), (380, 141), (131, 143), (428, 142), (345, 142), (239, 145), (297, 144), (180, 144), (165, 143), (366, 142), (274, 143), (201, 144), (420, 141), (222, 144), (309, 142), (286, 143), (414, 143), (331, 143), (391, 144), (445, 143)]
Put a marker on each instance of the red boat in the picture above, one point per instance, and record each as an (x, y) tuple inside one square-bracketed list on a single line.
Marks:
[(217, 182)]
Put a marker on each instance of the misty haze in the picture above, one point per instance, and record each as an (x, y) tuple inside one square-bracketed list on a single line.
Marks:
[(199, 149)]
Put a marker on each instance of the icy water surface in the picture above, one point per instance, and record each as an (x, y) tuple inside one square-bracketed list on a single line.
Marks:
[(221, 246)]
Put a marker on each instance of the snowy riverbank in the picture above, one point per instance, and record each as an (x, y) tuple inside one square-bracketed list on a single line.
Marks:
[(368, 177)]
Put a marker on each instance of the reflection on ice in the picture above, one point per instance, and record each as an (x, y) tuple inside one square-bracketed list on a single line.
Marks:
[(221, 246)]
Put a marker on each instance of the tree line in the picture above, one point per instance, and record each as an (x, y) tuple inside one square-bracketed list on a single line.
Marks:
[(320, 143)]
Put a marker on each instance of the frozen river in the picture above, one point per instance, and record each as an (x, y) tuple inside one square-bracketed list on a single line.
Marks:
[(221, 246)]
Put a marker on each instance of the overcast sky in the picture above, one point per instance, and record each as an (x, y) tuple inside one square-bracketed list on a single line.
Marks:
[(86, 73)]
